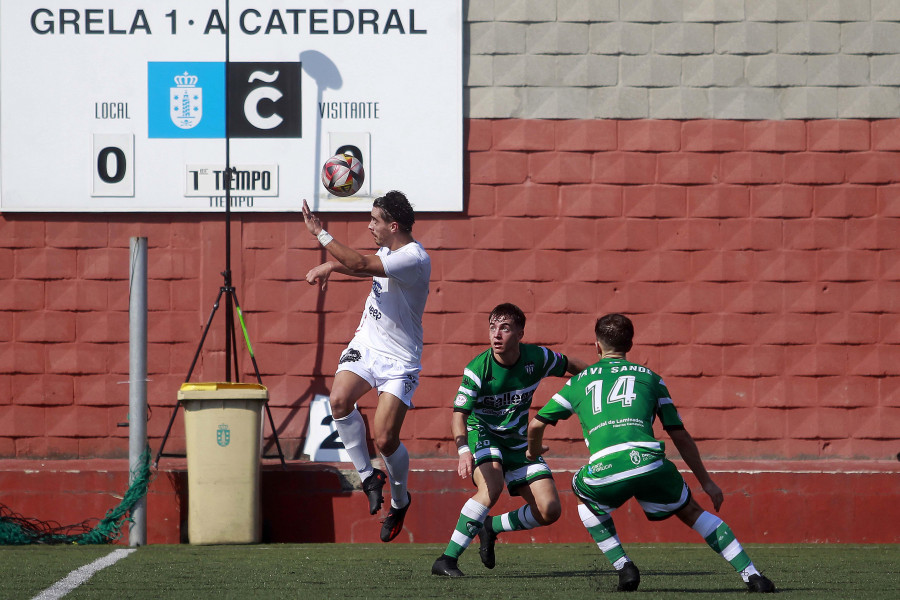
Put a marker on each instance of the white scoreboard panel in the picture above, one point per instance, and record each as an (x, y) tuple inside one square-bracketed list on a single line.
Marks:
[(124, 105)]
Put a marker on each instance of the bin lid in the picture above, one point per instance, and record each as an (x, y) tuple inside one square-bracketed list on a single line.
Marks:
[(220, 389)]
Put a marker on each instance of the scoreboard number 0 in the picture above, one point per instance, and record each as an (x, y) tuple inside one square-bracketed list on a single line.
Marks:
[(103, 164), (113, 165)]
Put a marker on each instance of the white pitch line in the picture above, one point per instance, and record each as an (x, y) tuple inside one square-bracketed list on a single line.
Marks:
[(81, 575)]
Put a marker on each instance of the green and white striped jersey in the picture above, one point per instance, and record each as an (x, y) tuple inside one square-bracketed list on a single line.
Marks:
[(497, 397), (617, 402)]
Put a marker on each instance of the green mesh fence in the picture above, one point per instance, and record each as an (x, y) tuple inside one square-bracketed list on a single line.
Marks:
[(17, 530)]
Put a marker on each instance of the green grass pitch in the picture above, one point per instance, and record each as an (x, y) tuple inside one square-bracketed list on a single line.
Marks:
[(532, 571)]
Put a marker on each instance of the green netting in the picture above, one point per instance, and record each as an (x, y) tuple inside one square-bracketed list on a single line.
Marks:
[(17, 530)]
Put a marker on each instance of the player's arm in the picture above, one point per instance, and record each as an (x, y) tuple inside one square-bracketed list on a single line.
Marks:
[(558, 408), (323, 271), (349, 261), (536, 445), (466, 461), (576, 365), (691, 455), (573, 366)]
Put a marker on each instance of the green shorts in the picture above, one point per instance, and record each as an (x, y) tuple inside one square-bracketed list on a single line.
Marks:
[(661, 492), (517, 470)]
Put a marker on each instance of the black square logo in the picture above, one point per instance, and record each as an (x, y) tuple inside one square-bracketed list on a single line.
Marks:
[(264, 100)]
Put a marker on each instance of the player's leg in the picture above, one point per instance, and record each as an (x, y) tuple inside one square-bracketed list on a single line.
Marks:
[(663, 493), (542, 497), (349, 386), (389, 418), (488, 478), (532, 480), (600, 525), (523, 478), (396, 382), (721, 539), (596, 503)]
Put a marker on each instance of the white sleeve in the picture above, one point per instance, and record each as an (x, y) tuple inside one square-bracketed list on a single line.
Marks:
[(405, 267)]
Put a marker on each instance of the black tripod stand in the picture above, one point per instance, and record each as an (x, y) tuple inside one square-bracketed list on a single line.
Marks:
[(230, 294), (227, 289)]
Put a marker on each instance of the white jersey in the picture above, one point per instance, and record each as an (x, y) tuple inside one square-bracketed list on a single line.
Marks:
[(392, 318)]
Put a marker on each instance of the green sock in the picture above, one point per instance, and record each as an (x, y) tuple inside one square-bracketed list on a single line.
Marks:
[(471, 520), (720, 538), (603, 532), (514, 520)]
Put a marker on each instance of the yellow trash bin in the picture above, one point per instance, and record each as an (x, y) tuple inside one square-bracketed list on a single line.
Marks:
[(223, 435)]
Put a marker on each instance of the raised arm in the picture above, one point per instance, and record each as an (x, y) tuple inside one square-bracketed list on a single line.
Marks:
[(348, 260)]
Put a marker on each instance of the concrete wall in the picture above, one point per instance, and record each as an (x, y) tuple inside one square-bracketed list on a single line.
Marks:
[(683, 59), (765, 502)]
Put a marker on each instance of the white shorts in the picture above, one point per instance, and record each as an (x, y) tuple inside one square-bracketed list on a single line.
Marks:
[(381, 372)]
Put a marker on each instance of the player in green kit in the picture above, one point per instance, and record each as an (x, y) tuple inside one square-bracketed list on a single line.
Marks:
[(490, 422), (617, 402)]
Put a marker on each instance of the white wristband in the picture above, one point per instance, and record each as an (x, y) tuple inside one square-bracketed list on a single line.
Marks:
[(463, 450), (324, 237)]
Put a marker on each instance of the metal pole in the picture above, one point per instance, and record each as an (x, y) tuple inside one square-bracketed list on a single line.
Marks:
[(137, 382), (229, 308)]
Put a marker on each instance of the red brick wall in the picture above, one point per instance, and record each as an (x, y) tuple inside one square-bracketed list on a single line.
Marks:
[(759, 260)]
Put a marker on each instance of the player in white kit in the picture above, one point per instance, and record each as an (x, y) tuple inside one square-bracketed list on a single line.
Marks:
[(386, 351)]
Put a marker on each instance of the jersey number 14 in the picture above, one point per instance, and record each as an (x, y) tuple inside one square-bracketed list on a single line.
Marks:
[(622, 391)]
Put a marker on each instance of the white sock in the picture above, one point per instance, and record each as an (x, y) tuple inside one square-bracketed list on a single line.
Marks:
[(472, 511), (706, 523), (352, 430), (526, 517), (397, 465)]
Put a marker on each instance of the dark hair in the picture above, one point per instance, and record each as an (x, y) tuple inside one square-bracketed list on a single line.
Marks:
[(615, 331), (511, 312), (396, 208)]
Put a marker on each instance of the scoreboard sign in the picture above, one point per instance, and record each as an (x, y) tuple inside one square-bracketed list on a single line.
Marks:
[(126, 105)]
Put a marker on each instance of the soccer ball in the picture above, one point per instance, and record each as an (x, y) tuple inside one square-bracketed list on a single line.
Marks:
[(343, 175)]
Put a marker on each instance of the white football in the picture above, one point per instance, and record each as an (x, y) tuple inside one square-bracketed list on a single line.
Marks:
[(342, 175)]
